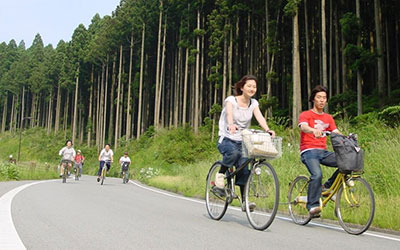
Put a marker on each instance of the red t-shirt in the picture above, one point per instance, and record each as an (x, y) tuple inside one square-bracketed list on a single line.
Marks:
[(79, 158), (322, 121)]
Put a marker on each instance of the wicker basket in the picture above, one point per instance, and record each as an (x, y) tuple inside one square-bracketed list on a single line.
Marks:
[(258, 144)]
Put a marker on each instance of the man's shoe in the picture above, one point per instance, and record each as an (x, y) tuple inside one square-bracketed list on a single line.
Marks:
[(252, 206), (314, 212)]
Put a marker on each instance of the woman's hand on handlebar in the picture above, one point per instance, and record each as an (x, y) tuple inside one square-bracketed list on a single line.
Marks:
[(271, 132), (232, 128)]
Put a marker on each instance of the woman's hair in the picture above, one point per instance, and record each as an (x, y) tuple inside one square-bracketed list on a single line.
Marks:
[(315, 90), (68, 141), (107, 145), (237, 87)]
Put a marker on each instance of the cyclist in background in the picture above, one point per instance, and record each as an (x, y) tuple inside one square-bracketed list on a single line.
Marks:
[(313, 151), (79, 159), (105, 157), (68, 155), (236, 116), (125, 160)]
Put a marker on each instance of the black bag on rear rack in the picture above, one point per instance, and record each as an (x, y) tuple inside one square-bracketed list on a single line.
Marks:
[(349, 155)]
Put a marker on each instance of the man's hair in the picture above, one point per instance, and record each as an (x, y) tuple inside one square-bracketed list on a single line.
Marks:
[(237, 87), (315, 90)]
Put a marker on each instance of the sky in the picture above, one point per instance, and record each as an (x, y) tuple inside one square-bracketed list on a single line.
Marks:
[(52, 19)]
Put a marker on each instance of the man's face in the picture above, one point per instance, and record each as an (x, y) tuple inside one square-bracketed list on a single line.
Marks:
[(320, 100)]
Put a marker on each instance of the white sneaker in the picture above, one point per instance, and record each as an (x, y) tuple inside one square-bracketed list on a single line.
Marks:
[(219, 180)]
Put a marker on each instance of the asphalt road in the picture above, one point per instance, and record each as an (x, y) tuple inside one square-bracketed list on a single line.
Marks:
[(84, 215)]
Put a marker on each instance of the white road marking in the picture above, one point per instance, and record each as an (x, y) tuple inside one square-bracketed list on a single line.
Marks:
[(9, 238), (279, 217)]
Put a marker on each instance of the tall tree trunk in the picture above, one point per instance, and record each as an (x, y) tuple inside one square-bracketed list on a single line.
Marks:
[(296, 72), (344, 66), (49, 113), (118, 99), (359, 79), (379, 51), (224, 63), (308, 63), (111, 126), (162, 74), (11, 125), (91, 89), (185, 87), (58, 109), (323, 40), (337, 53), (128, 106), (74, 128), (330, 82), (197, 86), (139, 119), (104, 126), (22, 108), (389, 87), (4, 119), (33, 110), (156, 95)]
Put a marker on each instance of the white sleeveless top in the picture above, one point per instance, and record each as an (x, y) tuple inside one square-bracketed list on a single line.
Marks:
[(241, 117)]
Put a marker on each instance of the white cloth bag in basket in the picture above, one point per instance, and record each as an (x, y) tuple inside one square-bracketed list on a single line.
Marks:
[(259, 144)]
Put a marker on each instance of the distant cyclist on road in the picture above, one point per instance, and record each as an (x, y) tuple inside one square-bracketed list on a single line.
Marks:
[(105, 157), (68, 155), (125, 160), (79, 159)]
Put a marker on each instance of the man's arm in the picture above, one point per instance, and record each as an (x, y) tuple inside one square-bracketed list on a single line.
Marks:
[(309, 130)]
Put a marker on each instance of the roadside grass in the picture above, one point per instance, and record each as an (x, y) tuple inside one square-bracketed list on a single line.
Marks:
[(178, 161)]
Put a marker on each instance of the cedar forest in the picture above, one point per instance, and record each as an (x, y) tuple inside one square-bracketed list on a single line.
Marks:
[(166, 63)]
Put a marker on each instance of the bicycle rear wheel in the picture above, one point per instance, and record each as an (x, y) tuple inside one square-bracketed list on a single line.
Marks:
[(77, 172), (298, 200), (355, 206), (103, 174), (65, 174), (262, 189), (216, 199)]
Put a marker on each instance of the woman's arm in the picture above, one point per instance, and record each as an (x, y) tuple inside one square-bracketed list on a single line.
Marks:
[(229, 117), (261, 120)]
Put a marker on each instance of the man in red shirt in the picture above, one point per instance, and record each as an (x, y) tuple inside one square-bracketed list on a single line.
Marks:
[(313, 123)]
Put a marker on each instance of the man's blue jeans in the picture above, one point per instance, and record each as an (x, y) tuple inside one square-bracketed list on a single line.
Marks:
[(232, 156), (312, 159)]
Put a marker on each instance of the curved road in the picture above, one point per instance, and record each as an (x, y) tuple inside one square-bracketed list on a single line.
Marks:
[(84, 215)]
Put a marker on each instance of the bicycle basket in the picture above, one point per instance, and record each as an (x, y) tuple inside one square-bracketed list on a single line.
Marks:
[(258, 144)]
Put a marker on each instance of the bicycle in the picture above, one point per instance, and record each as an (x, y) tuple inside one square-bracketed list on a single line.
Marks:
[(64, 164), (262, 188), (104, 171), (353, 197), (77, 172), (125, 172)]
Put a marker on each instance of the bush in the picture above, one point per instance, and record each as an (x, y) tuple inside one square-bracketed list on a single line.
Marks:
[(8, 171), (391, 116)]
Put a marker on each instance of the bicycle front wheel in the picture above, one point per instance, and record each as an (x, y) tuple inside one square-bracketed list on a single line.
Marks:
[(298, 200), (262, 196), (216, 198), (103, 174), (355, 206), (65, 174)]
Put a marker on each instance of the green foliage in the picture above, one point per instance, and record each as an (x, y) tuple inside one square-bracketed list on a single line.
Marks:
[(351, 27), (391, 116), (268, 102), (272, 76), (8, 171), (359, 58), (291, 7), (215, 109)]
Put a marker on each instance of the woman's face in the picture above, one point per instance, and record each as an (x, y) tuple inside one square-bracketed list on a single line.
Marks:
[(69, 144), (249, 88), (107, 147)]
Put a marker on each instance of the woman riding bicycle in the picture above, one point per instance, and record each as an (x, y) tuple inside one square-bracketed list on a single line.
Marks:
[(236, 116), (313, 123), (105, 157), (68, 155)]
